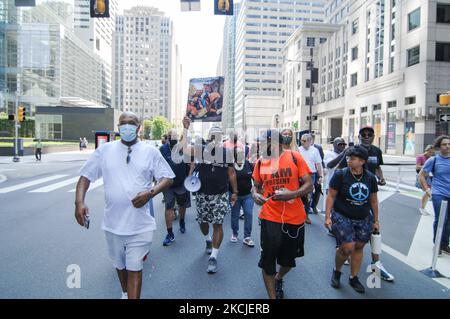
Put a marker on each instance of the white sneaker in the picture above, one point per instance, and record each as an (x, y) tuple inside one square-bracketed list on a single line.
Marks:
[(384, 274), (424, 212), (234, 239), (347, 262), (124, 295), (249, 242)]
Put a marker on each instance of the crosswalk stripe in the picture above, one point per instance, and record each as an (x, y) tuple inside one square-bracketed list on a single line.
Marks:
[(93, 186), (53, 187), (29, 184)]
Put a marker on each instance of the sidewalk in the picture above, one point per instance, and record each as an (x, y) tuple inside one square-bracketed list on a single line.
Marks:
[(395, 159)]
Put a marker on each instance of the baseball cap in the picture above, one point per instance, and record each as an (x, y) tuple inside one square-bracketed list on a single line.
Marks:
[(358, 151), (339, 140), (367, 127)]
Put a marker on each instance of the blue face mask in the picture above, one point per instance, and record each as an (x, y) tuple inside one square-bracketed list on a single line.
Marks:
[(128, 132)]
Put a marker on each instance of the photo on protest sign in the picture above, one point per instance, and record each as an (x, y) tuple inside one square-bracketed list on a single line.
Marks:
[(223, 7), (205, 99)]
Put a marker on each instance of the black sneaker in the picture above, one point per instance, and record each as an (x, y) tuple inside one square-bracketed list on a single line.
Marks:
[(208, 247), (336, 279), (182, 226), (445, 250), (279, 289), (356, 284)]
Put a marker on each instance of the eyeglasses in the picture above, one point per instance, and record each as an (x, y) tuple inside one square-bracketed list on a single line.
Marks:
[(128, 155)]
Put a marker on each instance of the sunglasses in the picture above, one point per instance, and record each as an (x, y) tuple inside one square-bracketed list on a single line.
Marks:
[(128, 155)]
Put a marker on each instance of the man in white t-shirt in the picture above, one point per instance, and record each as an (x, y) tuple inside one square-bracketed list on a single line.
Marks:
[(314, 161), (128, 167)]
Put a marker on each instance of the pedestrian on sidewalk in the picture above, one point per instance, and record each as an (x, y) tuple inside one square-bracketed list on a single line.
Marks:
[(85, 143), (318, 184), (81, 144), (314, 161), (280, 178), (420, 162), (373, 165), (217, 175), (352, 213), (244, 171), (439, 167), (177, 193), (127, 167), (38, 150)]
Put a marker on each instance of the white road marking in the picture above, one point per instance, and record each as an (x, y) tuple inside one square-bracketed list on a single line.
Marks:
[(53, 187), (29, 184)]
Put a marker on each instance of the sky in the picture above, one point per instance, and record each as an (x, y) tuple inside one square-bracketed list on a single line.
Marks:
[(199, 36)]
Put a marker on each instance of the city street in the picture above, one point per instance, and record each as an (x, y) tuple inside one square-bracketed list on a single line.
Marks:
[(41, 239)]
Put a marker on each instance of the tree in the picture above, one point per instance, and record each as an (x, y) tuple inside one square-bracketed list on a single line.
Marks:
[(159, 126), (147, 129)]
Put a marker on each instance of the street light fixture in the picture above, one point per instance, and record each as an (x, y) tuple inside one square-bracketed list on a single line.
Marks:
[(309, 64)]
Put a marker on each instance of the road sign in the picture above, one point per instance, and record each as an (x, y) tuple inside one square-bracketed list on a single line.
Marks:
[(444, 118)]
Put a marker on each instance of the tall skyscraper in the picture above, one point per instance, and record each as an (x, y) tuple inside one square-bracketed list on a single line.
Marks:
[(98, 35), (262, 28), (148, 58)]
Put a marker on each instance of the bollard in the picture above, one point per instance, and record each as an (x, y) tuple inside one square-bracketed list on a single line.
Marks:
[(433, 272)]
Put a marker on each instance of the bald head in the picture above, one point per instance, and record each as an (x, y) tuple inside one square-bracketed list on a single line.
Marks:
[(172, 134), (129, 118)]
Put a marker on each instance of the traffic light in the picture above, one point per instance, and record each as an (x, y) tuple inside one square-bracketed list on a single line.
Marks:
[(22, 114), (11, 117), (444, 99), (99, 8)]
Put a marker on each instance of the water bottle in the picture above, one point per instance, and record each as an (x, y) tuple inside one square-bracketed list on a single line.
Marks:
[(375, 243)]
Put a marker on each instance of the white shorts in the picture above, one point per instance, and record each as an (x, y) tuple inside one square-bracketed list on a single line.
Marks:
[(128, 252)]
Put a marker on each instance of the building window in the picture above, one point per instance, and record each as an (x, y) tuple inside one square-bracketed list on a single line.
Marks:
[(355, 26), (443, 52), (377, 107), (308, 84), (354, 53), (311, 42), (410, 100), (354, 79), (391, 104), (364, 109), (443, 13), (307, 100), (414, 19), (414, 56)]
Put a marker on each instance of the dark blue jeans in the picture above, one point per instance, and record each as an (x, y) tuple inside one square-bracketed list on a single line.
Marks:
[(308, 205), (437, 200), (246, 202)]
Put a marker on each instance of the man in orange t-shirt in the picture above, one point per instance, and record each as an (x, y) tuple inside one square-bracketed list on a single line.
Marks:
[(281, 178)]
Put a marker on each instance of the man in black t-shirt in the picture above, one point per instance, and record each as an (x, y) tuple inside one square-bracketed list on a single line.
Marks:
[(366, 137), (216, 173)]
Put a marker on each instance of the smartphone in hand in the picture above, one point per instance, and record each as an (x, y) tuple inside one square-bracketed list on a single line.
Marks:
[(86, 221)]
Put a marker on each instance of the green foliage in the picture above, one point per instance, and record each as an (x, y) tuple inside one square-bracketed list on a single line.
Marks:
[(7, 127), (159, 126), (147, 129)]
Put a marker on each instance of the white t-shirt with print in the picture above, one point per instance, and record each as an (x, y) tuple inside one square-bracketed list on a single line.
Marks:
[(312, 157), (122, 182)]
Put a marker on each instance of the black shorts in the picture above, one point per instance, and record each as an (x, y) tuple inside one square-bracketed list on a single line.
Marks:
[(277, 247), (178, 194)]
